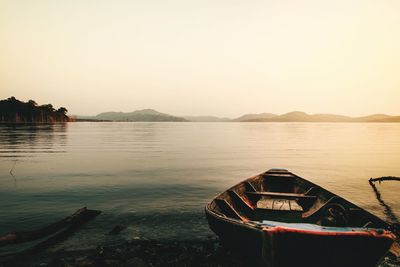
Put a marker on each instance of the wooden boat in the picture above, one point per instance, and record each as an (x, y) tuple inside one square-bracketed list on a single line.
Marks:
[(282, 220)]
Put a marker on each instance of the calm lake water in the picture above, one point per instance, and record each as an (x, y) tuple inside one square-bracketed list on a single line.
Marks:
[(156, 178)]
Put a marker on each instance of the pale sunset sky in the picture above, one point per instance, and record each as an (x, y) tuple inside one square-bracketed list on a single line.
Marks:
[(205, 57)]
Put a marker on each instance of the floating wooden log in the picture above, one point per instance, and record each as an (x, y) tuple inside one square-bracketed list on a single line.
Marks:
[(394, 226), (387, 209), (385, 178), (73, 223), (79, 217)]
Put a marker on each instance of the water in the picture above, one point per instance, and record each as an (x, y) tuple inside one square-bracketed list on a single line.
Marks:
[(156, 178)]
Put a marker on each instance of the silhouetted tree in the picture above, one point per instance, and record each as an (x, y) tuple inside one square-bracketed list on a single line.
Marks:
[(13, 110), (61, 114), (32, 103)]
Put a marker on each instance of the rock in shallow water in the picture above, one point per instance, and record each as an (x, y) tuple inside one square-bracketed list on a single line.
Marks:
[(135, 262), (117, 229)]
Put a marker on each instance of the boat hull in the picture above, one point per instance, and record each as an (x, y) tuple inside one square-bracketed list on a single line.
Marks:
[(288, 247)]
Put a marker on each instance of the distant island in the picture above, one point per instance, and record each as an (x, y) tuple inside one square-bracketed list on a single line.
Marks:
[(13, 110), (250, 117), (298, 116), (149, 115), (144, 115), (206, 119)]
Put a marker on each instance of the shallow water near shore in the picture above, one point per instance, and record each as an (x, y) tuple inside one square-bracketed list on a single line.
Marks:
[(155, 178)]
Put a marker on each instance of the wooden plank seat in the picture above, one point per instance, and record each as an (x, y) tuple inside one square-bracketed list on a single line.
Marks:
[(279, 175), (228, 210), (278, 204), (249, 187), (281, 195), (244, 203)]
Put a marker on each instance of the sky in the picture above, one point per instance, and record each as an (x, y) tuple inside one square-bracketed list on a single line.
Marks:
[(205, 57)]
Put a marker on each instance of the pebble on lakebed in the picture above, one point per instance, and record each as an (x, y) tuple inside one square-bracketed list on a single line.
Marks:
[(147, 253), (152, 253)]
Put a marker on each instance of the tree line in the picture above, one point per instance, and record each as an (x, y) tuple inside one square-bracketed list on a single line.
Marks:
[(16, 111)]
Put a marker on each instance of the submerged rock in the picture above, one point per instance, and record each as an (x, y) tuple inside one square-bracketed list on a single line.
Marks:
[(156, 253), (135, 262), (85, 262), (117, 229)]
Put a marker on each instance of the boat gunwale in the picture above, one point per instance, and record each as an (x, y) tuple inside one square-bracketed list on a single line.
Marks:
[(253, 224)]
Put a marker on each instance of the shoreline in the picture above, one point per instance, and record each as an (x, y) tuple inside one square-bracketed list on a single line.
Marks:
[(149, 253), (138, 253)]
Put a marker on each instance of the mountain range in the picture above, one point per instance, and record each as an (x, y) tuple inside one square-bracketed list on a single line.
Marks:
[(148, 115), (138, 115), (298, 116)]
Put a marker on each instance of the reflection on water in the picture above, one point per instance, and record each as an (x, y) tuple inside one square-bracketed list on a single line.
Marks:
[(156, 177), (22, 140)]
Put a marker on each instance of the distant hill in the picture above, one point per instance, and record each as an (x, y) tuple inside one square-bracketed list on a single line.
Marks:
[(150, 115), (389, 119), (206, 119), (144, 115), (375, 117), (260, 116), (298, 116)]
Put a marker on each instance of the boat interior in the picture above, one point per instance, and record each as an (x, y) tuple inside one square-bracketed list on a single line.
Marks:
[(279, 195)]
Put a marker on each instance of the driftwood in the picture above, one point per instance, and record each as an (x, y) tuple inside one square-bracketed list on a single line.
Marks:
[(75, 220), (387, 209), (60, 233), (394, 225), (75, 224), (385, 178)]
